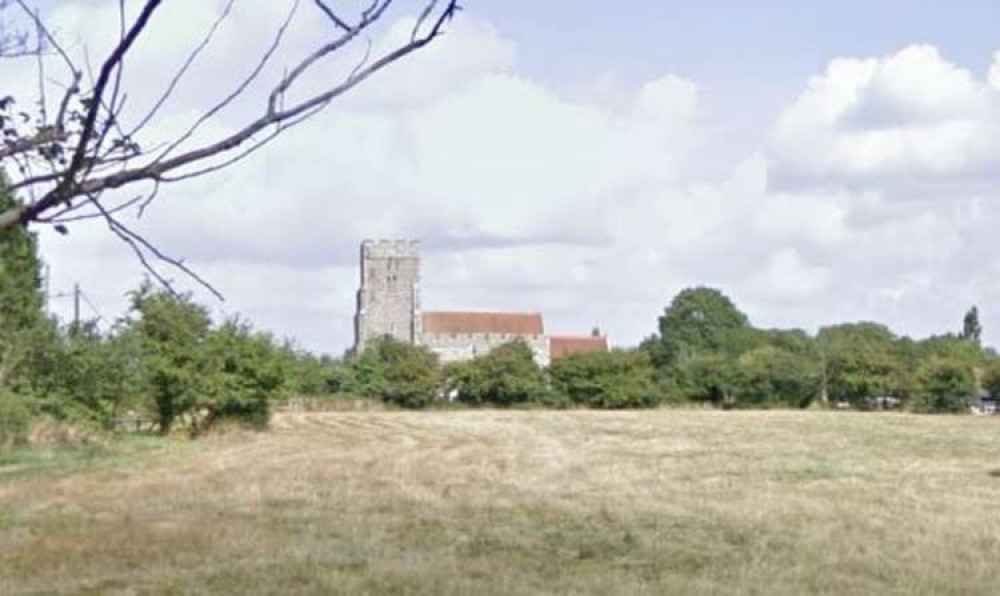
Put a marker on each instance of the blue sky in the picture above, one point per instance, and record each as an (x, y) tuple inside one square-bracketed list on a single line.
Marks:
[(818, 162), (717, 41), (749, 57)]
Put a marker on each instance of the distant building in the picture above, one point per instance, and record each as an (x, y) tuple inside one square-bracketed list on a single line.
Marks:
[(389, 305), (983, 403), (561, 346)]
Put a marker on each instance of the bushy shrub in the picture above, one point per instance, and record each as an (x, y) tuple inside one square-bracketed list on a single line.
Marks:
[(246, 373), (97, 378), (606, 379), (172, 332), (707, 378), (991, 379), (191, 369), (771, 376), (15, 420), (396, 372), (507, 376), (946, 384)]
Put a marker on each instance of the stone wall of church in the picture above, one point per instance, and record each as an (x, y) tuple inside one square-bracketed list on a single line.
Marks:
[(389, 297), (457, 347)]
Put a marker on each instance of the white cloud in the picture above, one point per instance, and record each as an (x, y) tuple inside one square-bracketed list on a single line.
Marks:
[(912, 114), (866, 202)]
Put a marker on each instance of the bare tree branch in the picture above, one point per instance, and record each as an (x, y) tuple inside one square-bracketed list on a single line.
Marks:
[(143, 249), (331, 15), (183, 70), (66, 161)]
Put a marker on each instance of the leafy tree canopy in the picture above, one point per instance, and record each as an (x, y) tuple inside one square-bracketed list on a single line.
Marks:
[(971, 329), (618, 379), (946, 385), (508, 375), (702, 320), (397, 372), (772, 376)]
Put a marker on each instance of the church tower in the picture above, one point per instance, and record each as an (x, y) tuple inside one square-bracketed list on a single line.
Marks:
[(389, 297)]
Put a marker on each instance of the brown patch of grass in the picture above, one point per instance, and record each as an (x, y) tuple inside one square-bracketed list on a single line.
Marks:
[(504, 502)]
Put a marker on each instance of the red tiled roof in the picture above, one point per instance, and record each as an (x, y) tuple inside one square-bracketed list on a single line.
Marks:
[(483, 322), (560, 347)]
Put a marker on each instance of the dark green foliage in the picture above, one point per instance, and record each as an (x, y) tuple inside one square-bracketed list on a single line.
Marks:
[(699, 321), (708, 378), (506, 376), (991, 379), (190, 368), (247, 370), (950, 345), (971, 329), (709, 351), (338, 377), (396, 372), (20, 276), (72, 373), (616, 379), (26, 336), (21, 316), (862, 361), (173, 333), (656, 349), (775, 376), (946, 385), (15, 420), (33, 359), (310, 375), (94, 376)]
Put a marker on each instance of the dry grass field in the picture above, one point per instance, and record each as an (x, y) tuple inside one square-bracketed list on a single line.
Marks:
[(491, 502)]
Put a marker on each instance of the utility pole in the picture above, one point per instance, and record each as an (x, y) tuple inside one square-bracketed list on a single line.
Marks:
[(76, 305)]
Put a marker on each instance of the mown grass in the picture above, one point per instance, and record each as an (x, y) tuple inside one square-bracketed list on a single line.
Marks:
[(487, 502)]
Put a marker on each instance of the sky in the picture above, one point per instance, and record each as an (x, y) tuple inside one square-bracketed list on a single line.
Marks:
[(819, 162)]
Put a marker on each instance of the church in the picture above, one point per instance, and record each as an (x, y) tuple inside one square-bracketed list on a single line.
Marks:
[(388, 304)]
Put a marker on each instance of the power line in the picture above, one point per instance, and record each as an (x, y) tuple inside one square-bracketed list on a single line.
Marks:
[(96, 311), (78, 295)]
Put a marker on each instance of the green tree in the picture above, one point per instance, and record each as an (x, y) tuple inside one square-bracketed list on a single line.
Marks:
[(246, 371), (991, 379), (20, 275), (709, 378), (93, 376), (971, 329), (22, 317), (862, 361), (173, 331), (703, 320), (398, 373), (949, 345), (15, 420), (617, 379), (770, 375), (946, 384), (506, 376)]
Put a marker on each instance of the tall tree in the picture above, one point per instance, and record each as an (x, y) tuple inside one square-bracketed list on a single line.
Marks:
[(20, 274), (946, 384), (774, 376), (703, 321), (21, 301), (173, 332), (862, 361), (971, 329)]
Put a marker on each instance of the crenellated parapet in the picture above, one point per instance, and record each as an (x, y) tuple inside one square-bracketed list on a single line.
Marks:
[(389, 296), (388, 304), (390, 249)]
